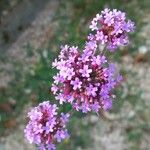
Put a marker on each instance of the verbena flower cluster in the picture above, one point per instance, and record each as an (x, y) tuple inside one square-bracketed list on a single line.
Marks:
[(45, 127), (111, 28), (85, 79)]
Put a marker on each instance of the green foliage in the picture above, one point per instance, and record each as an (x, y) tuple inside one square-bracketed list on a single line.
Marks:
[(134, 135)]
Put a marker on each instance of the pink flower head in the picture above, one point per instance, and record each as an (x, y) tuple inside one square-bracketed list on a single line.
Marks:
[(111, 28), (45, 127), (87, 82)]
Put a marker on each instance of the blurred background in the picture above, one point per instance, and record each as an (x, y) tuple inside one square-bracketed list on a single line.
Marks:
[(31, 33)]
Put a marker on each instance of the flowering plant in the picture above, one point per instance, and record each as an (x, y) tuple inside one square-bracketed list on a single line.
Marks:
[(85, 79)]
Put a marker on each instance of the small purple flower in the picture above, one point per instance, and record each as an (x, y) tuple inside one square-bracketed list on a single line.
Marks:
[(70, 73), (91, 90), (64, 49), (76, 83), (101, 37), (85, 71), (107, 104), (61, 134), (85, 108), (54, 88), (99, 60), (95, 107), (41, 147), (61, 98), (49, 125), (74, 49), (90, 45), (51, 147), (57, 79), (65, 117)]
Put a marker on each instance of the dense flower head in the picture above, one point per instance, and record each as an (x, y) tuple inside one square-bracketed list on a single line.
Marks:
[(45, 126), (84, 80), (111, 28)]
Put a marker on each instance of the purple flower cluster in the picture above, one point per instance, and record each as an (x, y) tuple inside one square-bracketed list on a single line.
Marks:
[(45, 127), (111, 28), (84, 80)]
